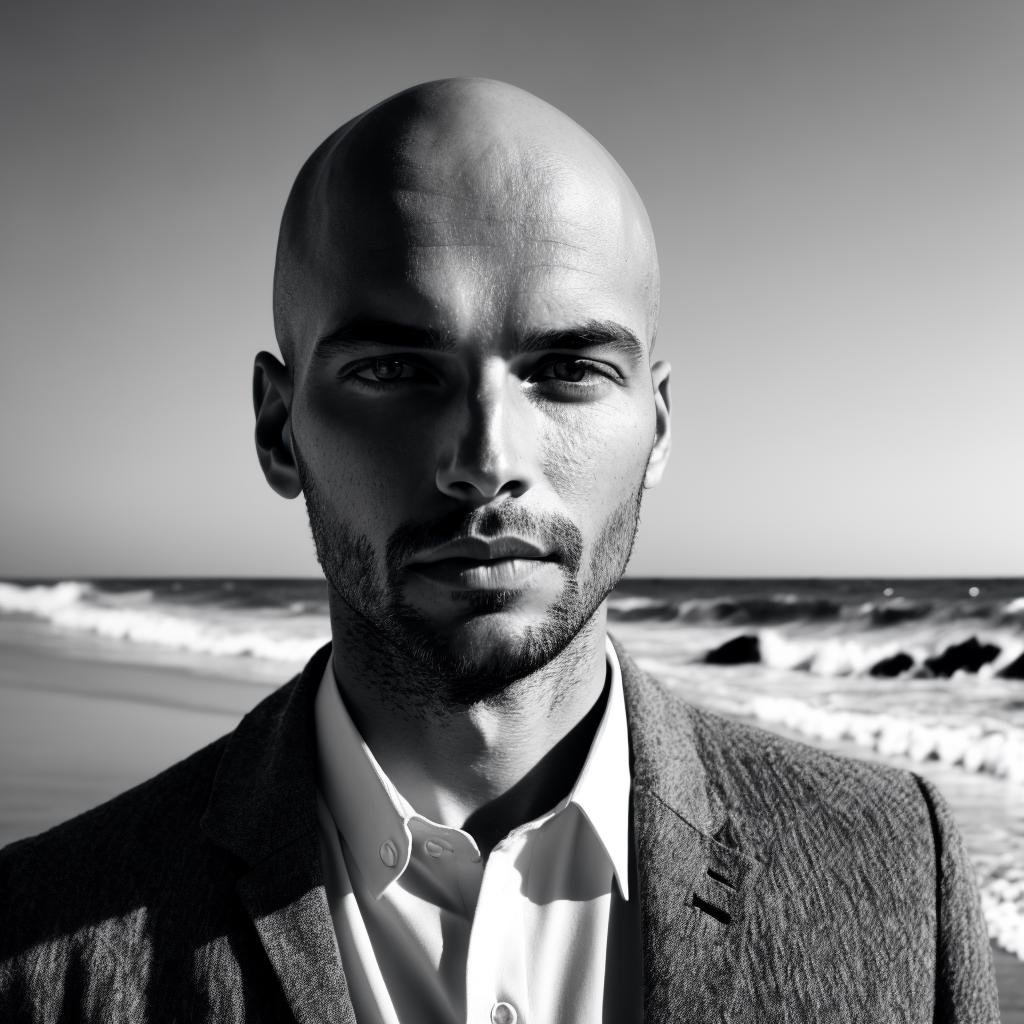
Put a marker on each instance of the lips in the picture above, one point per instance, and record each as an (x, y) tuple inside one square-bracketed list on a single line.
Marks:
[(482, 563), (482, 549)]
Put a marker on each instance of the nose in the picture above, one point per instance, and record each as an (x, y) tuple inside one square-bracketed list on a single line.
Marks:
[(490, 448)]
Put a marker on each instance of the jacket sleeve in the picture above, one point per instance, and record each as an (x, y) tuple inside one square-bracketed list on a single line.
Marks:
[(965, 986)]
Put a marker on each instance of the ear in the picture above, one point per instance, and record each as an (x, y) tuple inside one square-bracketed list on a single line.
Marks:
[(272, 399), (660, 373)]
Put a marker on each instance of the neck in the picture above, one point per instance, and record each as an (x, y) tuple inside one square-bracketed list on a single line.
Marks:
[(487, 765)]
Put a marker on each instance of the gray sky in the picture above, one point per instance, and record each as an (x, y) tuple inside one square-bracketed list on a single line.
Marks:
[(837, 191)]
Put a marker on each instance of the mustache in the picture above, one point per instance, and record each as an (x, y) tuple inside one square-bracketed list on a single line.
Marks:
[(555, 532)]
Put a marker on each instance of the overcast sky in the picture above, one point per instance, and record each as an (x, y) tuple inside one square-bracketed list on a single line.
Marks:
[(837, 191)]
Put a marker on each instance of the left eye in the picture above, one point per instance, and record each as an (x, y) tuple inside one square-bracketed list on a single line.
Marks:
[(572, 371)]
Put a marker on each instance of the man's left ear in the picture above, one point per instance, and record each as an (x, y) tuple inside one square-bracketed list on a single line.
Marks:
[(660, 373), (272, 399)]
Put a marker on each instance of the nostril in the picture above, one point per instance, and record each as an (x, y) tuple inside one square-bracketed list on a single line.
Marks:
[(479, 485)]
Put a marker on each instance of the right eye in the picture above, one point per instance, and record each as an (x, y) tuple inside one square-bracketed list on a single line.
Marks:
[(384, 371)]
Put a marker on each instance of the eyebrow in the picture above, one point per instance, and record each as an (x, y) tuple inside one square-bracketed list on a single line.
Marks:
[(360, 332), (590, 334)]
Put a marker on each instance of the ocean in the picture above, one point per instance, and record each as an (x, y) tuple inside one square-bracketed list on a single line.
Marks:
[(927, 674)]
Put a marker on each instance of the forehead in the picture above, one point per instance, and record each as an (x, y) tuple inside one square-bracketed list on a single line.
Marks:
[(482, 264)]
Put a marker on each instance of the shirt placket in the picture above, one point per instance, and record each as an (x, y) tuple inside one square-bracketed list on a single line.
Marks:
[(496, 964)]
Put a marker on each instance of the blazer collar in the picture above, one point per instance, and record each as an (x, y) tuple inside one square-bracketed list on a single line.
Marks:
[(262, 810), (696, 890)]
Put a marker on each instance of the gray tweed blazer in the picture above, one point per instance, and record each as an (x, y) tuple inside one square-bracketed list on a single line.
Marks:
[(777, 883)]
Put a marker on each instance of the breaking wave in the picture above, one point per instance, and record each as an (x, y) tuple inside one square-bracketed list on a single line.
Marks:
[(288, 634)]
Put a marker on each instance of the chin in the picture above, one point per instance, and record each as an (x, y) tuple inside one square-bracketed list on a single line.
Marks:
[(496, 645)]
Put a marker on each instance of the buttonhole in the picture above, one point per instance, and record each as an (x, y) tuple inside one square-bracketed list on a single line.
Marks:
[(715, 912), (721, 878)]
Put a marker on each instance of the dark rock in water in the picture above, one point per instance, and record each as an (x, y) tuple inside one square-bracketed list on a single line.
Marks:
[(895, 665), (1015, 670), (968, 656), (740, 650)]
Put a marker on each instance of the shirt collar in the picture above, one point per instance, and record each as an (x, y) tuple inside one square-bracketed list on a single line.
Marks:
[(602, 789), (370, 814), (373, 818)]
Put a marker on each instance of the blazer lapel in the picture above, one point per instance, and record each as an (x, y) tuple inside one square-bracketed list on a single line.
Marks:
[(263, 811), (289, 909), (695, 891)]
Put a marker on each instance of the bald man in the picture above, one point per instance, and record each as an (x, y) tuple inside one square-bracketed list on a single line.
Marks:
[(472, 806)]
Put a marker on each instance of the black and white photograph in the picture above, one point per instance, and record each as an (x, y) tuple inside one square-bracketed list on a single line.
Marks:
[(512, 513)]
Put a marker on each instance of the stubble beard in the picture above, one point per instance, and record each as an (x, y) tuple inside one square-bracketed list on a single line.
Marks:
[(419, 657)]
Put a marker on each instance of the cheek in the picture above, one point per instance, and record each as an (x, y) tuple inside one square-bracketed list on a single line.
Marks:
[(598, 460), (371, 476)]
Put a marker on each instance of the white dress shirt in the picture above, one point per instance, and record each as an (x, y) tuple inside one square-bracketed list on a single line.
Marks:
[(546, 931)]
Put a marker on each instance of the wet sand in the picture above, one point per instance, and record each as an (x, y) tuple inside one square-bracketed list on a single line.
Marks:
[(74, 732)]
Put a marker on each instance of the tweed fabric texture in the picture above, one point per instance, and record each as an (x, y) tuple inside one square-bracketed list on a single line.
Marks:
[(777, 884)]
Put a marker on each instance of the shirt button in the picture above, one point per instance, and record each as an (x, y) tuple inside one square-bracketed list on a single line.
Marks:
[(388, 854), (503, 1013)]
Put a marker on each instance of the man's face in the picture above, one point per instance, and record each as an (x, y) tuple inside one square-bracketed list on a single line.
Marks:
[(473, 419)]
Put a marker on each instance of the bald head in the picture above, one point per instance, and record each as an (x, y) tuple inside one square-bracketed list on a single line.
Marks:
[(473, 168)]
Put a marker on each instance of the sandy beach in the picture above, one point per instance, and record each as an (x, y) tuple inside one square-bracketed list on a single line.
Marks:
[(81, 722)]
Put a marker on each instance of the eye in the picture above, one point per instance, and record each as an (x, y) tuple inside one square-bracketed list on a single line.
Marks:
[(569, 370), (384, 371), (573, 370)]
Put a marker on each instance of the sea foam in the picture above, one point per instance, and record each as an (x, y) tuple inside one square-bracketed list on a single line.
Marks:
[(269, 634), (1001, 881)]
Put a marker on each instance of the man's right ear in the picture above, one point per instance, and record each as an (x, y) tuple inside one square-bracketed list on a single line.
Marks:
[(272, 399)]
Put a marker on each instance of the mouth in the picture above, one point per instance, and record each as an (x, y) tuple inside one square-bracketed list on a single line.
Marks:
[(479, 563)]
